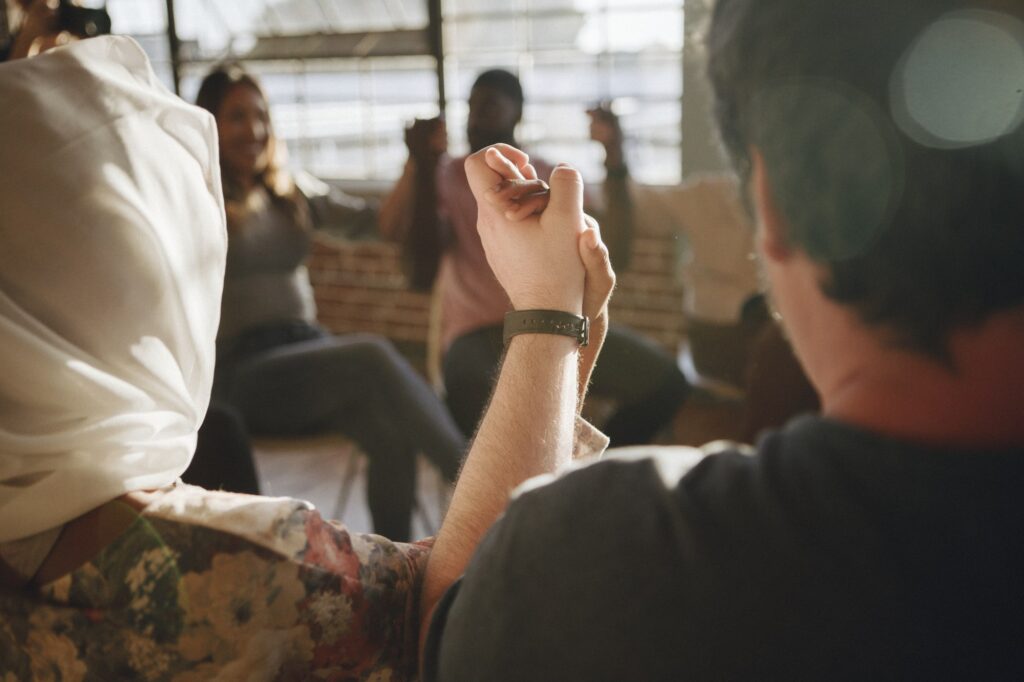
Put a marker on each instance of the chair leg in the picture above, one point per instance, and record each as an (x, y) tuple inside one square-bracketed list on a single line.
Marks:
[(348, 481)]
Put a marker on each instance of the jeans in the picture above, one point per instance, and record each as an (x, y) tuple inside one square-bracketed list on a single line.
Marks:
[(296, 379), (223, 458), (638, 374)]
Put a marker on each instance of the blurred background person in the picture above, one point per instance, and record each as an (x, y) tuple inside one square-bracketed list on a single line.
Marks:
[(284, 373), (734, 351), (433, 213), (44, 24)]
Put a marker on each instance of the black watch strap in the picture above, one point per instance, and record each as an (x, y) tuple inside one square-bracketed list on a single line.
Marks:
[(547, 322)]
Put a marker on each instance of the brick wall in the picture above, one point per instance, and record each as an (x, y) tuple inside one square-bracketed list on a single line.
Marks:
[(649, 297), (360, 288)]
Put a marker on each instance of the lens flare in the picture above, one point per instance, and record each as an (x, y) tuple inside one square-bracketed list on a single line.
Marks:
[(961, 83)]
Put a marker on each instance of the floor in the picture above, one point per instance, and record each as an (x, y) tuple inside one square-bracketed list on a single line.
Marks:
[(330, 472)]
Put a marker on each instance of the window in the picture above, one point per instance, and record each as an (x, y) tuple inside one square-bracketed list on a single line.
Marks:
[(344, 77), (571, 54)]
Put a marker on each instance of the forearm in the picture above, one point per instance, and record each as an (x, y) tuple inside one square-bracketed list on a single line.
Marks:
[(526, 431), (424, 240), (617, 223), (395, 214)]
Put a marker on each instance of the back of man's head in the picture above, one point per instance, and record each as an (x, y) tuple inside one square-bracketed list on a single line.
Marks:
[(891, 135)]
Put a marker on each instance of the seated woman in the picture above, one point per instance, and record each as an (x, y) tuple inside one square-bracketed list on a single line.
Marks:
[(110, 279), (276, 366)]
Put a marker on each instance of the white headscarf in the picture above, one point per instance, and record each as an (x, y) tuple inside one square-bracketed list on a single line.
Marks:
[(112, 244)]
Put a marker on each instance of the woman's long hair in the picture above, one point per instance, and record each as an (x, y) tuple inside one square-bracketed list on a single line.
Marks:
[(275, 178)]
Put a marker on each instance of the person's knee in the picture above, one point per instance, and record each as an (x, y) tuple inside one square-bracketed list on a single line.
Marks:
[(675, 387), (375, 353), (223, 418)]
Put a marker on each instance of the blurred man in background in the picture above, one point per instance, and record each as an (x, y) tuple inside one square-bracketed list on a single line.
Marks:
[(433, 212)]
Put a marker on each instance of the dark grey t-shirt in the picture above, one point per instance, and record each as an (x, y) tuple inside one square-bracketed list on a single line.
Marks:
[(830, 554)]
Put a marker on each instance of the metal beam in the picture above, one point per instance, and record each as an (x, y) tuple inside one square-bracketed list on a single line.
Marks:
[(402, 43), (174, 43), (436, 37)]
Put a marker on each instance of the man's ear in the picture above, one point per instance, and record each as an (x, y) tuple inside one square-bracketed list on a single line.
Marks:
[(771, 224)]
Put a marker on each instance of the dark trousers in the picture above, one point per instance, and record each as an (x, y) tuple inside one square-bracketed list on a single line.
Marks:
[(358, 385), (223, 459), (641, 377)]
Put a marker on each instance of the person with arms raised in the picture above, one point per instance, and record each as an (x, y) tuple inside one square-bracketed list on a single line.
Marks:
[(432, 211)]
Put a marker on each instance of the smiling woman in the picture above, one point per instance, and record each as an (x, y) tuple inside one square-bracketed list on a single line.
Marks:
[(244, 130), (249, 151), (284, 373)]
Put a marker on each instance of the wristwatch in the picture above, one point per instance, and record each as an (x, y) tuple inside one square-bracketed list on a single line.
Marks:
[(547, 322)]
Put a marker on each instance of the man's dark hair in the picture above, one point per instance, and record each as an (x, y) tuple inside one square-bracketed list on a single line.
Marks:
[(920, 235), (503, 81)]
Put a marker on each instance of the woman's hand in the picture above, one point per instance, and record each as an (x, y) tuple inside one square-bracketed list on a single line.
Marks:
[(40, 25), (426, 139)]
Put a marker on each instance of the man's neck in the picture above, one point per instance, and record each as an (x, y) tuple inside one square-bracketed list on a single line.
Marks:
[(867, 380), (974, 401), (510, 140)]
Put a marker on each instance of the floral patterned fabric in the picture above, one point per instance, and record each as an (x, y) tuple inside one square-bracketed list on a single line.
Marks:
[(207, 585)]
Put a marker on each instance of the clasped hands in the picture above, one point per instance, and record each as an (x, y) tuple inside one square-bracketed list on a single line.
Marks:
[(544, 250)]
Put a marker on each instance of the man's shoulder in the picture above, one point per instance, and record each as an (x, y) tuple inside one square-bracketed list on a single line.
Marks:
[(596, 560), (725, 562), (638, 472), (674, 505)]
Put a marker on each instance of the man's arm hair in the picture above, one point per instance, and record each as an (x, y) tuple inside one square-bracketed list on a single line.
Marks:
[(526, 431), (528, 427)]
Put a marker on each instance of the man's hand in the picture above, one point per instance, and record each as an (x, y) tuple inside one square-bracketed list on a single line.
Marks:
[(600, 281), (536, 260), (427, 140), (518, 199)]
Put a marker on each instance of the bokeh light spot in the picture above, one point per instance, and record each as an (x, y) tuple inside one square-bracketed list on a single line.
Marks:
[(961, 83)]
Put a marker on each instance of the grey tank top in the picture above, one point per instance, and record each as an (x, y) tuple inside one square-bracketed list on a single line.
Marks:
[(265, 280)]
